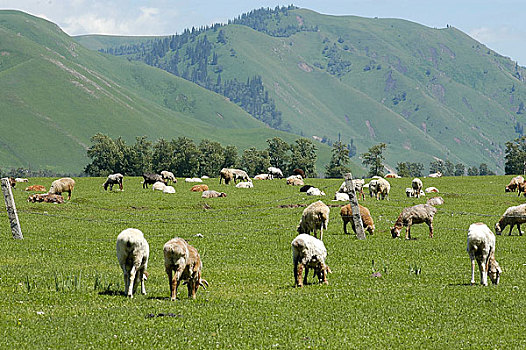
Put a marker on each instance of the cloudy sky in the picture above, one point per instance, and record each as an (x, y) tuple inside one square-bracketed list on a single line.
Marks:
[(499, 24)]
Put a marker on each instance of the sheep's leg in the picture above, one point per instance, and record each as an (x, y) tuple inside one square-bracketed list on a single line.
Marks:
[(126, 278), (171, 283), (306, 274), (142, 278), (511, 228), (131, 279), (298, 274), (519, 228), (69, 195), (472, 269), (483, 271), (344, 226), (408, 230), (192, 287), (430, 224), (321, 233)]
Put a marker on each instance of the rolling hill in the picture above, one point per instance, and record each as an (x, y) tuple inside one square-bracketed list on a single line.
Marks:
[(428, 93), (56, 94)]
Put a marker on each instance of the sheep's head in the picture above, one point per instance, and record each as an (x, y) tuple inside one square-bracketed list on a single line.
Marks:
[(395, 231), (494, 271), (508, 189), (321, 271), (498, 229)]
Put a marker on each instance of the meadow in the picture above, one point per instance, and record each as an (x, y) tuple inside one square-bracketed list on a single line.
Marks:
[(61, 285)]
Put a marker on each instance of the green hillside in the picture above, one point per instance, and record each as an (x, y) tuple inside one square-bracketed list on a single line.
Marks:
[(428, 93), (56, 94)]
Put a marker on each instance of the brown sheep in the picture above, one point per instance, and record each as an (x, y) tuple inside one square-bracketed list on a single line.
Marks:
[(46, 198), (36, 188), (199, 188), (227, 175), (367, 220), (514, 184), (417, 214), (183, 259)]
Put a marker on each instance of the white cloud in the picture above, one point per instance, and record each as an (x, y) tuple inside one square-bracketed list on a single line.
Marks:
[(494, 35)]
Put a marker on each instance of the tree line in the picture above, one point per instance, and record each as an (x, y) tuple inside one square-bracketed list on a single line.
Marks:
[(185, 158)]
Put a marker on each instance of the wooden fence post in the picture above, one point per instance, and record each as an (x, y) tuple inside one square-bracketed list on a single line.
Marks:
[(11, 209), (357, 219)]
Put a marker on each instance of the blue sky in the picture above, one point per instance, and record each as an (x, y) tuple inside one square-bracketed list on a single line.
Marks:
[(499, 24)]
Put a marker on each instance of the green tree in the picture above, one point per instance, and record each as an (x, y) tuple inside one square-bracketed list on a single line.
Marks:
[(515, 156), (304, 156), (255, 161), (473, 171), (460, 169), (186, 157), (374, 158), (437, 166), (140, 157), (212, 157), (162, 157), (279, 153), (105, 155), (416, 169), (231, 157), (449, 168), (402, 169), (339, 163)]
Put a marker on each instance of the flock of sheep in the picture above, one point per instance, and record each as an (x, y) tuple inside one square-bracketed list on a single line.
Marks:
[(183, 263)]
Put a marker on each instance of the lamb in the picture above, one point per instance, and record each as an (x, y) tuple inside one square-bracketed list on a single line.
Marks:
[(515, 215), (246, 184), (435, 201), (150, 179), (132, 253), (113, 179), (358, 187), (417, 185), (314, 217), (382, 188), (212, 194), (343, 197), (227, 175), (313, 191), (417, 214), (199, 188), (275, 172), (514, 184), (168, 189), (365, 215), (66, 184), (481, 246), (159, 186), (183, 263), (46, 198), (309, 252), (168, 176)]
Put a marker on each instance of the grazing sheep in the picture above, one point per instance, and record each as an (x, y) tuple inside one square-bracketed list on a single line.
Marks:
[(382, 189), (373, 188), (183, 263), (358, 187), (305, 188), (417, 185), (437, 174), (46, 198), (309, 252), (481, 246), (275, 172), (227, 175), (514, 184), (246, 184), (113, 179), (212, 194), (417, 214), (313, 191), (435, 201), (150, 179), (314, 217), (367, 220), (515, 215), (411, 192), (159, 186), (432, 190), (295, 182), (298, 171), (263, 177), (168, 176), (240, 175), (199, 188), (193, 179), (19, 179), (344, 197), (36, 188), (169, 189), (66, 184), (132, 254)]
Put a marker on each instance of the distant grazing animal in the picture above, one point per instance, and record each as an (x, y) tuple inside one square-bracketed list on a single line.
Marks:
[(199, 188), (365, 214), (262, 177), (380, 188), (417, 185), (227, 175), (183, 263), (113, 179), (132, 253), (513, 216), (309, 252), (275, 172), (168, 176), (417, 214), (481, 247), (36, 188), (150, 179), (19, 179), (305, 188), (298, 171), (432, 190), (437, 174), (240, 175), (66, 184), (514, 184), (212, 194), (46, 198), (315, 217), (358, 188), (373, 188)]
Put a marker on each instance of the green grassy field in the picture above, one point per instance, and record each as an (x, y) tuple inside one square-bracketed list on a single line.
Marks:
[(62, 287)]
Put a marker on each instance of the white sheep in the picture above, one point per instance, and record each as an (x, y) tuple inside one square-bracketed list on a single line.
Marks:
[(193, 179), (132, 253), (246, 184), (19, 179), (183, 263), (275, 172), (344, 197), (113, 179), (383, 187), (437, 174), (513, 216), (240, 175), (168, 176), (417, 185), (313, 191), (432, 190), (372, 185), (169, 189), (262, 177), (159, 186), (212, 194), (65, 184), (481, 247), (435, 201), (314, 217), (309, 252), (358, 188)]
